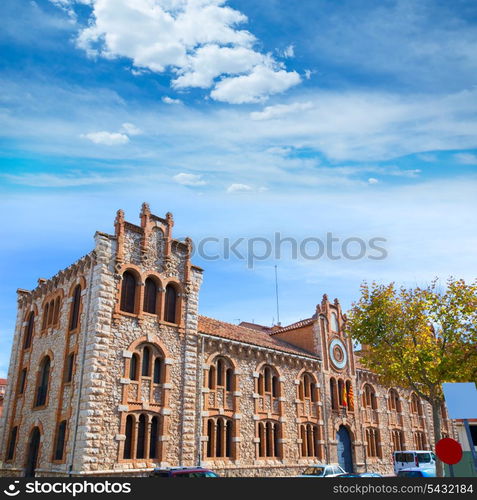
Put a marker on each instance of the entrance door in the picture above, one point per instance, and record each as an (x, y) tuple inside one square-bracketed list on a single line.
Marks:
[(345, 456), (33, 449)]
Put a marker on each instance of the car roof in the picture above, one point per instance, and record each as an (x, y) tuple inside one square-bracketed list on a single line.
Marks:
[(413, 451), (324, 465), (175, 469)]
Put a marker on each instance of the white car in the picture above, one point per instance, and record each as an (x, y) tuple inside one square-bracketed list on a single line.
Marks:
[(322, 470), (415, 459)]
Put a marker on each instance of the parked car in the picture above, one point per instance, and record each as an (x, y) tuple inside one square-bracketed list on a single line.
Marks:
[(416, 459), (183, 472), (322, 470), (416, 472), (362, 474)]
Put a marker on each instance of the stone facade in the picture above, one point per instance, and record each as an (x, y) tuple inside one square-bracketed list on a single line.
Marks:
[(113, 371)]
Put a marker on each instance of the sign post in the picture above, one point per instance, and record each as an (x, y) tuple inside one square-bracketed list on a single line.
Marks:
[(461, 401)]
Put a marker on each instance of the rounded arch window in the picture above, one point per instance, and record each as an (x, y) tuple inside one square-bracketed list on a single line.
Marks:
[(150, 296), (43, 382), (334, 322), (128, 292), (170, 304)]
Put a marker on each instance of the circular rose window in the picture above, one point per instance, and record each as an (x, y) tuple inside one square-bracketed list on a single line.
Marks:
[(338, 353)]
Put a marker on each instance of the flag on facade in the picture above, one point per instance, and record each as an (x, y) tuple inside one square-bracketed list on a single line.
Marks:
[(351, 398), (345, 403)]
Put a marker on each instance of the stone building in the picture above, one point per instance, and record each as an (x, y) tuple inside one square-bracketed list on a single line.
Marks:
[(3, 387), (113, 371)]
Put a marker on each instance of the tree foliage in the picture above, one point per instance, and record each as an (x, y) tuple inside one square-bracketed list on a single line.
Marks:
[(419, 338)]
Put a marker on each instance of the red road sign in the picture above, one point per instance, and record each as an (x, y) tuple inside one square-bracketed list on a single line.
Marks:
[(449, 451)]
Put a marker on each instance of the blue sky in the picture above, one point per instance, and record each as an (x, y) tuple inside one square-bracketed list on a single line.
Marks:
[(243, 118)]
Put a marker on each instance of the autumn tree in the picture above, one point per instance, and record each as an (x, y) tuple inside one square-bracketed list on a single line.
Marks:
[(419, 338)]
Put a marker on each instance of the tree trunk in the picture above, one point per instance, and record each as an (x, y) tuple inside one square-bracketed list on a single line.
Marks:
[(436, 420)]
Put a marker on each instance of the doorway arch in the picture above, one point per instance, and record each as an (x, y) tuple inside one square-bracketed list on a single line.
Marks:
[(345, 453), (33, 451)]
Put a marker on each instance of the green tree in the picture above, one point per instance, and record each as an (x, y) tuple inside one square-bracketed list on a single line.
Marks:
[(419, 338)]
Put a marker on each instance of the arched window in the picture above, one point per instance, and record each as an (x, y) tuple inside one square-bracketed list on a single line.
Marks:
[(210, 437), (307, 388), (141, 437), (228, 439), (51, 313), (150, 296), (70, 363), (268, 382), (334, 322), (60, 441), (56, 314), (267, 377), (128, 292), (12, 442), (420, 440), (154, 437), (22, 381), (133, 367), (309, 434), (28, 335), (275, 387), (219, 437), (219, 440), (372, 441), (398, 440), (229, 377), (212, 377), (158, 370), (129, 429), (416, 406), (394, 403), (369, 397), (341, 393), (146, 370), (350, 395), (261, 437), (333, 394), (32, 454), (269, 439), (221, 374), (146, 362), (75, 308), (170, 309), (43, 381), (46, 311)]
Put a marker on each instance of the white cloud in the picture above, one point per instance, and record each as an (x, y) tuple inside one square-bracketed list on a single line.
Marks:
[(289, 51), (130, 129), (234, 188), (308, 74), (107, 138), (466, 158), (76, 179), (372, 180), (279, 110), (256, 86), (169, 100), (189, 179), (198, 40), (114, 138), (427, 157), (281, 151)]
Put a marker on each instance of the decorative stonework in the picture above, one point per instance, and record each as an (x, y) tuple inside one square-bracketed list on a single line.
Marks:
[(180, 402)]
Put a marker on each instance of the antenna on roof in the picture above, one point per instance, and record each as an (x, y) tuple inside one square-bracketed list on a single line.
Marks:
[(276, 293)]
